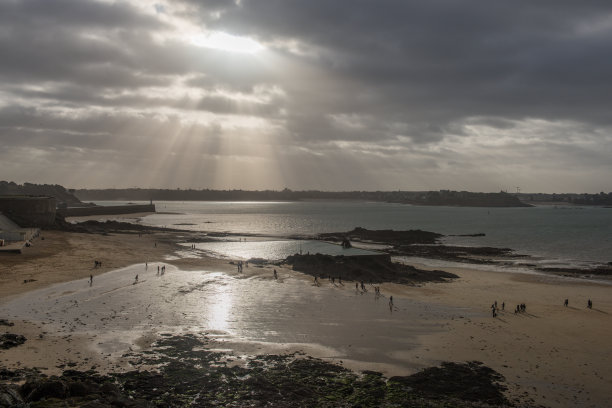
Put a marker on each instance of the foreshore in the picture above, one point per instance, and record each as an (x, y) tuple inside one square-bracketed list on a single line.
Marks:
[(550, 353)]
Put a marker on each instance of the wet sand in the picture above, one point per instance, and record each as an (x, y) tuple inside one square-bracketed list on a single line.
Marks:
[(553, 353)]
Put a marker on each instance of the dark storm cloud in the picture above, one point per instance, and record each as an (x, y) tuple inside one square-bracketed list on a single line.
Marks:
[(85, 14), (445, 59)]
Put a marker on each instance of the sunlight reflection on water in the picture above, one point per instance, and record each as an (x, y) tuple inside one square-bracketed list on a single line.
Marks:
[(290, 310), (275, 249)]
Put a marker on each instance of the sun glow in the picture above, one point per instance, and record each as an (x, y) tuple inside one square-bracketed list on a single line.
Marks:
[(227, 42)]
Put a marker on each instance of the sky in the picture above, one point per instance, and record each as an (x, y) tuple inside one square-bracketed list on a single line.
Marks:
[(474, 95)]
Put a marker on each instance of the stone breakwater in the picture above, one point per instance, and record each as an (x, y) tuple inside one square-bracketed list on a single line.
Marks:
[(106, 210)]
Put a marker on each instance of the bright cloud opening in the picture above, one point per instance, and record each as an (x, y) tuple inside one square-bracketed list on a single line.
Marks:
[(227, 42)]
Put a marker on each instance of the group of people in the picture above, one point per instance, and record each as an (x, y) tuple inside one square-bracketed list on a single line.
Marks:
[(522, 308), (589, 303), (494, 308), (362, 285), (332, 279), (97, 264)]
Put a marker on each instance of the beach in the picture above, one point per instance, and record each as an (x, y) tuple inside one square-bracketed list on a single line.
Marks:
[(550, 354)]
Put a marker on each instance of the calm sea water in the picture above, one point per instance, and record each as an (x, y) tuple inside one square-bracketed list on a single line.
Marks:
[(568, 235)]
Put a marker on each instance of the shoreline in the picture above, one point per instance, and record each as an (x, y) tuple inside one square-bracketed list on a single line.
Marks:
[(521, 347)]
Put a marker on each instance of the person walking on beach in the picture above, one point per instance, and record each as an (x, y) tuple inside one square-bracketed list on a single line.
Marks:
[(90, 280), (566, 302), (390, 303), (275, 274), (503, 305), (590, 304), (136, 279)]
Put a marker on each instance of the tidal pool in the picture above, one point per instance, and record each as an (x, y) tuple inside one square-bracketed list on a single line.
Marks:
[(275, 249)]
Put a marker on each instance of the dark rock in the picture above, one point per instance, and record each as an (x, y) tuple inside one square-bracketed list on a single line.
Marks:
[(190, 375), (467, 382), (10, 340), (10, 397), (44, 388), (375, 269), (454, 253), (81, 389), (384, 236), (96, 404), (600, 270)]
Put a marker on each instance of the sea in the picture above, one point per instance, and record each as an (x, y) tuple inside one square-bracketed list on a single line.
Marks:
[(552, 236)]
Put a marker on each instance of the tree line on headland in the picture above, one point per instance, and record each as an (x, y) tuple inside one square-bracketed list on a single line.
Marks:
[(443, 197)]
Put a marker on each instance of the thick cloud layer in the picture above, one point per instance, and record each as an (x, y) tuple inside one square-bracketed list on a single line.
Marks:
[(412, 95)]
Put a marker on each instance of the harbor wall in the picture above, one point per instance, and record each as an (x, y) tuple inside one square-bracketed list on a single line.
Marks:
[(106, 210), (29, 211)]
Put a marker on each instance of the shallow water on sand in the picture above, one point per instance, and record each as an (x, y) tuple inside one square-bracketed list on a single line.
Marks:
[(275, 249), (349, 324)]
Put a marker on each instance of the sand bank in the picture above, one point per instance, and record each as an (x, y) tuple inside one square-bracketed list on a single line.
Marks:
[(553, 353)]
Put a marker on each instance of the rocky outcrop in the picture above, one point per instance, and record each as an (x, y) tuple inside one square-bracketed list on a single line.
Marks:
[(390, 237), (371, 269), (187, 374), (10, 340)]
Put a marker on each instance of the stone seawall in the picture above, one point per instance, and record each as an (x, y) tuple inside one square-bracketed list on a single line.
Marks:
[(29, 211), (106, 210)]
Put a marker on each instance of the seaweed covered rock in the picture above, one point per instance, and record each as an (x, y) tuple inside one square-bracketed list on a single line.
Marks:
[(10, 340), (391, 237), (10, 397), (375, 268), (470, 381), (189, 375)]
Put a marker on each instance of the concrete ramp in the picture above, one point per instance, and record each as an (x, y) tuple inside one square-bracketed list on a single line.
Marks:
[(6, 224), (13, 236)]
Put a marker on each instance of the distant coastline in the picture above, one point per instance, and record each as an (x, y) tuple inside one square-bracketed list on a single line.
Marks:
[(432, 198)]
